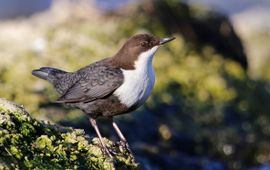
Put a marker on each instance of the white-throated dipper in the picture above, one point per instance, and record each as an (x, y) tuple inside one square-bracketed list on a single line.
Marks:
[(112, 86)]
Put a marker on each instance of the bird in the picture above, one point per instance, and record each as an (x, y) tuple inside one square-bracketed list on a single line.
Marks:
[(112, 86)]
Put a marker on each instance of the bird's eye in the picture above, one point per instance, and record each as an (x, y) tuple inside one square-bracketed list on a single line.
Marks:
[(144, 43), (151, 43)]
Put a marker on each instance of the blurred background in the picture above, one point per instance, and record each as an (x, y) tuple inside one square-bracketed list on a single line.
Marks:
[(210, 106)]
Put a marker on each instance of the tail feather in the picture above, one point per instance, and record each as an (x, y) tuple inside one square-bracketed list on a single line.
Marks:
[(47, 72), (61, 80), (41, 74)]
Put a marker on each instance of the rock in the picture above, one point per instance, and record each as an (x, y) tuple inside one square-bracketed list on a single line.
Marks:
[(27, 143)]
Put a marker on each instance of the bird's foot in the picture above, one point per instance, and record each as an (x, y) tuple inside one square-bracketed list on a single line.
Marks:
[(124, 146), (106, 150), (112, 152)]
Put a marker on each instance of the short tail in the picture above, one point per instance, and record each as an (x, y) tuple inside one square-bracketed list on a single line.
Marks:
[(45, 72)]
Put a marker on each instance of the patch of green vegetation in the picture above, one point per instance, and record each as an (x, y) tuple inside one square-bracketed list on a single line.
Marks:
[(26, 143)]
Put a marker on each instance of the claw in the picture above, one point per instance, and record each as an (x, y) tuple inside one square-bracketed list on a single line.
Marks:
[(123, 145), (112, 152), (108, 152), (123, 142)]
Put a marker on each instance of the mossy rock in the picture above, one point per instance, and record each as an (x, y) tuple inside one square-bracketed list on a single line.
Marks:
[(26, 143)]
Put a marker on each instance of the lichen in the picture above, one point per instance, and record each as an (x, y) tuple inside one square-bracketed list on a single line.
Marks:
[(27, 143)]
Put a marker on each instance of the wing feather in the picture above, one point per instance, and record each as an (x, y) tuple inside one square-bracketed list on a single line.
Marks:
[(95, 83)]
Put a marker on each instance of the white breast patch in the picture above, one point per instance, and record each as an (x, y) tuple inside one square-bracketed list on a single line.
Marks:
[(138, 83)]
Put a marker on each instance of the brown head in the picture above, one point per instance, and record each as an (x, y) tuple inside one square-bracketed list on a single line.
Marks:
[(140, 45)]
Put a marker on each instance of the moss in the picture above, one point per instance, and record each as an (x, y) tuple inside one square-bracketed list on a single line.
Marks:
[(26, 143)]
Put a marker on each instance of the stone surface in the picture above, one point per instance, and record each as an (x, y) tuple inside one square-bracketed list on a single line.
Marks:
[(26, 143)]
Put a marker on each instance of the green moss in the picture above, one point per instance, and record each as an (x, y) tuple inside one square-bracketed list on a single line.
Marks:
[(28, 143)]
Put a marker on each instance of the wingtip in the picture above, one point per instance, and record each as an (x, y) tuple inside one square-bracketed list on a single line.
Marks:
[(59, 101), (62, 100)]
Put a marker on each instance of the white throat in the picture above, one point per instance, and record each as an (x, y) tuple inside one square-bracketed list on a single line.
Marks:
[(138, 83)]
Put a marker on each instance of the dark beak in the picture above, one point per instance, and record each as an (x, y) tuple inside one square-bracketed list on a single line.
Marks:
[(165, 40)]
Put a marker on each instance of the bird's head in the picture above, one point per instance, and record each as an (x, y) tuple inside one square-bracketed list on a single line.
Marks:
[(139, 47)]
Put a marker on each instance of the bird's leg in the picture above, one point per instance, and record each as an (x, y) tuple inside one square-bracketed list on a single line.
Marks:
[(94, 124), (123, 140)]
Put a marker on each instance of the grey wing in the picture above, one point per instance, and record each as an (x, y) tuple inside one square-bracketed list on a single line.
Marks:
[(94, 84)]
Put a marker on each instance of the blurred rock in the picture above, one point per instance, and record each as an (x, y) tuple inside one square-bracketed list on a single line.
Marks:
[(199, 26), (17, 8), (262, 167)]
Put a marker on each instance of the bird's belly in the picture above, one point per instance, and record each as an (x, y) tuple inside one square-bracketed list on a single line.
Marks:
[(136, 88)]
